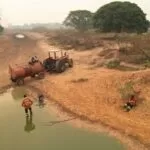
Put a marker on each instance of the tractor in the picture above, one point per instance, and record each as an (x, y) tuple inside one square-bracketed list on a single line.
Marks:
[(57, 61)]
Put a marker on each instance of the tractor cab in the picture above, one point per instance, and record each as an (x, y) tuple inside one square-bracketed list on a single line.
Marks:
[(57, 61), (57, 54)]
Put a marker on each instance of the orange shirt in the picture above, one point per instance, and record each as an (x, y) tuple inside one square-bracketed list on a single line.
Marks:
[(27, 103), (133, 101)]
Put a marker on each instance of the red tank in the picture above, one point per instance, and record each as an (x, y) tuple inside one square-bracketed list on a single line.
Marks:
[(18, 73), (37, 67)]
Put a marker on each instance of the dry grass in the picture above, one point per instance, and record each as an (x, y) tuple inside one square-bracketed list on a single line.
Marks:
[(69, 39), (79, 80), (138, 52), (98, 99), (99, 94), (129, 48)]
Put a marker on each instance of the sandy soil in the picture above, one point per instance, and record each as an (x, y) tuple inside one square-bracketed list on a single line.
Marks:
[(90, 94)]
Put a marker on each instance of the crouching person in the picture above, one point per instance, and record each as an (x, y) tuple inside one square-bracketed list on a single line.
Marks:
[(41, 100), (131, 103)]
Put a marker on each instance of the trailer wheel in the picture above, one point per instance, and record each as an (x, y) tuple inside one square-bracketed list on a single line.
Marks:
[(20, 82), (33, 76)]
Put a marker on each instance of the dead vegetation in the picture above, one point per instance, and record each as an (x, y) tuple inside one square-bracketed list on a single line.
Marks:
[(128, 48), (70, 39), (98, 94), (139, 50), (79, 80), (100, 99)]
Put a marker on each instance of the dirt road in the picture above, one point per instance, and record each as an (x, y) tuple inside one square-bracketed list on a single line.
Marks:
[(88, 93)]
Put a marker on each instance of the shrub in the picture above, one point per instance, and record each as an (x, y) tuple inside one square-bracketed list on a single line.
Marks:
[(127, 90), (113, 64)]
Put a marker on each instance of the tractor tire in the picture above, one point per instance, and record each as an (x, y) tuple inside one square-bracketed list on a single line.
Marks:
[(20, 82), (70, 62), (45, 64), (60, 66)]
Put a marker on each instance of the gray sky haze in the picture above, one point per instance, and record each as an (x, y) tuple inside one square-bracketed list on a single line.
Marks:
[(42, 11)]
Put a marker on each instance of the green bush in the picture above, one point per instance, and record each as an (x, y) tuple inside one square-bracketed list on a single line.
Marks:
[(113, 64), (120, 16), (1, 29), (147, 64), (127, 90)]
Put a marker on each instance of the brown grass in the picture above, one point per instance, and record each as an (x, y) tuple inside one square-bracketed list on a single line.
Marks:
[(76, 40), (138, 52), (131, 48), (79, 80), (99, 100)]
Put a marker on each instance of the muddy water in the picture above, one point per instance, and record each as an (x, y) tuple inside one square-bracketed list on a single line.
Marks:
[(20, 133)]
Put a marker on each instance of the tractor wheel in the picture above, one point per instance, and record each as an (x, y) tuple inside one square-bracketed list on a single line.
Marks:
[(33, 76), (46, 65), (60, 66), (20, 82), (41, 75), (70, 62)]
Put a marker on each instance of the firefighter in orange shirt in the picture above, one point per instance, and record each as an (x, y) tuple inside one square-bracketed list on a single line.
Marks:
[(27, 103)]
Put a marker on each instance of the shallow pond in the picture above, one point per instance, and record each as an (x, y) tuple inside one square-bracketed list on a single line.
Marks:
[(20, 133)]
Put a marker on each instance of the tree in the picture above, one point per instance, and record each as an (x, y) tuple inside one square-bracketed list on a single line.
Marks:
[(120, 16), (148, 23), (1, 29), (79, 19)]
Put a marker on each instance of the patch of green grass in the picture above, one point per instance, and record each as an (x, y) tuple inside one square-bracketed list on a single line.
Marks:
[(127, 90), (113, 64), (147, 64)]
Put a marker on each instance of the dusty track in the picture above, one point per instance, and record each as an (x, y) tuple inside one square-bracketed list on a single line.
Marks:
[(85, 92), (16, 51)]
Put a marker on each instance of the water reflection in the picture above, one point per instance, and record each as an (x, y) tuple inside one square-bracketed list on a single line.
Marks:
[(29, 124), (41, 105), (51, 123), (18, 92), (41, 101)]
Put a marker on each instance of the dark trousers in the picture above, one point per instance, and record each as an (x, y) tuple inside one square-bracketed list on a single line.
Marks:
[(26, 110), (129, 104)]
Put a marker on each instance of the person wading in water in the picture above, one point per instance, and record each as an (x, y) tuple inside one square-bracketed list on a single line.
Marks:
[(27, 103)]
